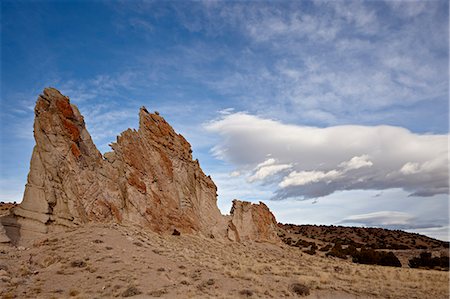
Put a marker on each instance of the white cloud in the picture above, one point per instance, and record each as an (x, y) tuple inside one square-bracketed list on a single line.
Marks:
[(234, 174), (407, 9), (325, 160), (410, 168), (356, 162), (307, 177), (267, 169), (226, 111)]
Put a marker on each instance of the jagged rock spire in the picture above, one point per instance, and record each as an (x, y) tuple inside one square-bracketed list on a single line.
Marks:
[(148, 179)]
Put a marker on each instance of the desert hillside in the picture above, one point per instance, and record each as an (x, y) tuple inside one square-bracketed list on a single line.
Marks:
[(376, 238), (112, 260), (368, 245)]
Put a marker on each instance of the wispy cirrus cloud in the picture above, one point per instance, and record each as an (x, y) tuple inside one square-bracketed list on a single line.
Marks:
[(352, 63)]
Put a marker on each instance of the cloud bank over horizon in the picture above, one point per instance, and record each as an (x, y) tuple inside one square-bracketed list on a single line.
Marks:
[(309, 162), (391, 220)]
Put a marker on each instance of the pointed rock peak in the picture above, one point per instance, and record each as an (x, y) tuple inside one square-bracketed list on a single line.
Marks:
[(143, 109), (51, 91), (52, 101), (154, 123), (144, 114)]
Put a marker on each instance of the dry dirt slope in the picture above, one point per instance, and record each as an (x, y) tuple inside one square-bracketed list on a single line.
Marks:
[(105, 261)]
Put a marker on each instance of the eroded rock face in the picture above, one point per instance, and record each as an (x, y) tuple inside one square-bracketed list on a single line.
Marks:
[(251, 222), (149, 179), (160, 183)]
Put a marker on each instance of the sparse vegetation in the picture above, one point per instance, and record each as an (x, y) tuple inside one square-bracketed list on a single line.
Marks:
[(362, 245), (376, 238), (372, 257), (73, 293), (78, 264), (425, 260), (198, 267), (246, 293), (131, 291)]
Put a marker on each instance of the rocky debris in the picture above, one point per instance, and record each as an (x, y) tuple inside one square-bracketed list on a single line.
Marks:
[(5, 207), (131, 291), (299, 289), (252, 222), (5, 218), (4, 276), (3, 237), (149, 179)]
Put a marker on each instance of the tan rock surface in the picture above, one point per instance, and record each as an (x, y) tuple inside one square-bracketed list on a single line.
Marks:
[(3, 237), (252, 222), (149, 179)]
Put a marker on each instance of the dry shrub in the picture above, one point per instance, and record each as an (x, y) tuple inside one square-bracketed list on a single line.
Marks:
[(246, 293), (131, 291), (158, 293), (78, 264), (73, 293), (299, 289)]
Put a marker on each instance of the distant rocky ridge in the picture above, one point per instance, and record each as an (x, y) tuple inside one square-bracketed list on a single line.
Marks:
[(369, 237), (149, 180)]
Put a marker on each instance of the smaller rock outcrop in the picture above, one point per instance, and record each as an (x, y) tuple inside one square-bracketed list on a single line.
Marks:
[(252, 222)]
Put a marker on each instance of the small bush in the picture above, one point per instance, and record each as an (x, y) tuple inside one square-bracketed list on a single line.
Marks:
[(73, 293), (424, 260), (299, 289), (131, 291), (138, 244), (337, 251), (372, 257), (326, 248), (288, 240), (78, 264), (310, 251), (247, 293)]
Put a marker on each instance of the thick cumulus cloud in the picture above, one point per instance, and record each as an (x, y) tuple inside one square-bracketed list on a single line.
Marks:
[(308, 162)]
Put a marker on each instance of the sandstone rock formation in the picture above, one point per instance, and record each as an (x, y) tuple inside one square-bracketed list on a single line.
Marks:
[(149, 180), (251, 222)]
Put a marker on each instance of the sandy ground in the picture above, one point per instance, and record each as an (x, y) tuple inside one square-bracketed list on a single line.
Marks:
[(106, 261)]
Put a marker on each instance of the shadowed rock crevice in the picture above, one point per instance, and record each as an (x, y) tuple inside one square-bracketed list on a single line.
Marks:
[(148, 179)]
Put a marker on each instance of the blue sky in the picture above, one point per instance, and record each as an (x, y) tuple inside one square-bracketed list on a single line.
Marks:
[(332, 112)]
